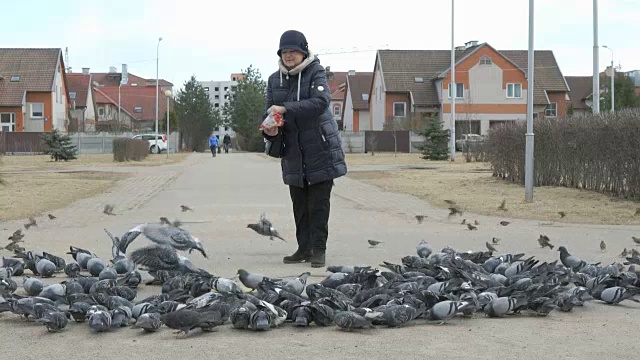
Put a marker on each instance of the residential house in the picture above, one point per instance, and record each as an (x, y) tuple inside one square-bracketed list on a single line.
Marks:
[(634, 75), (337, 84), (109, 117), (491, 86), (33, 90), (581, 88), (82, 102), (137, 97), (355, 112)]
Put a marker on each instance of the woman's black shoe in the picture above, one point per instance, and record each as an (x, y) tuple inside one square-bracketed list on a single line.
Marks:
[(317, 260), (297, 257)]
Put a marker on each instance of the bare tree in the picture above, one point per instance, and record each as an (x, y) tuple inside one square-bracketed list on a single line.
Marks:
[(373, 142)]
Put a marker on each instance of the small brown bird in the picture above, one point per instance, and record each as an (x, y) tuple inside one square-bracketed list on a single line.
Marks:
[(185, 208), (374, 242), (635, 253), (635, 240), (464, 222), (637, 212), (490, 247), (108, 209), (476, 222), (624, 253), (17, 236), (420, 218), (453, 210), (544, 241), (450, 202), (32, 222), (504, 223), (164, 220), (495, 240), (51, 217), (603, 246), (562, 214), (503, 205), (471, 227)]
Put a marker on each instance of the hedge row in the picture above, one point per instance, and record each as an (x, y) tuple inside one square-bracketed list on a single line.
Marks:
[(598, 152), (126, 149)]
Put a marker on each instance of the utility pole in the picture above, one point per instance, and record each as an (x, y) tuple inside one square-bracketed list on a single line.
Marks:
[(157, 63), (613, 76), (453, 89), (528, 163), (596, 66)]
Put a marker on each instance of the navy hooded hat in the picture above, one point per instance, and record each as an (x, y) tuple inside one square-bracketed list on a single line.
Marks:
[(293, 40)]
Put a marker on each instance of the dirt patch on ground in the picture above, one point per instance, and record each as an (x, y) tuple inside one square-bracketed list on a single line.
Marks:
[(44, 162), (25, 195), (475, 190), (385, 158)]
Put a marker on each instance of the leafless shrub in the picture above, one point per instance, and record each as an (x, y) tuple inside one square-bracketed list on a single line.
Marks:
[(598, 152)]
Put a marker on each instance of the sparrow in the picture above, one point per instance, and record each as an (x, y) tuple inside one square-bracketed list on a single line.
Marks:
[(420, 218), (504, 223), (374, 243), (624, 253), (51, 217), (32, 222), (185, 208), (471, 227), (562, 214), (603, 246), (495, 240), (503, 205), (544, 241), (490, 247), (108, 209)]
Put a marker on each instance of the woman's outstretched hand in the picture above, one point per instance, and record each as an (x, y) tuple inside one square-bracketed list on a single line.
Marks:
[(273, 131)]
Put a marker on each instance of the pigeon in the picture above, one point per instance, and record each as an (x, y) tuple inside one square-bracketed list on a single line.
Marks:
[(59, 262), (226, 286), (424, 249), (32, 286), (476, 222), (100, 321), (149, 322), (636, 240), (490, 247), (108, 209), (108, 273), (500, 306), (178, 238), (51, 217), (453, 210), (397, 315), (569, 260), (45, 267), (265, 227), (5, 273), (32, 222), (95, 266), (504, 223), (185, 208), (185, 320), (295, 285), (503, 205), (464, 222), (374, 243), (349, 320), (158, 257), (240, 316), (471, 227), (616, 294), (72, 270), (420, 218), (54, 321), (252, 281), (445, 310), (603, 246)]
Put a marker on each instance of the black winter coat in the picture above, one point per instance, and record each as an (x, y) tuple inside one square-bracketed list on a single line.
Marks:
[(312, 144)]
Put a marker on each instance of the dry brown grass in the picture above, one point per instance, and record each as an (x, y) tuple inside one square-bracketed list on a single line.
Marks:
[(44, 162), (384, 158), (30, 195), (472, 187)]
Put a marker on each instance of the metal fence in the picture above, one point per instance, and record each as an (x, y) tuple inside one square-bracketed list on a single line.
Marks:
[(378, 140), (15, 143)]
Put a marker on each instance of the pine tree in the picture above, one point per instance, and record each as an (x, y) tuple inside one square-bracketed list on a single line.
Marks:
[(244, 111), (194, 113), (436, 140), (59, 146)]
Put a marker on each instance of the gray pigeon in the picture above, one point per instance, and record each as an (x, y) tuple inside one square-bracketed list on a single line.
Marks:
[(260, 320), (108, 273), (123, 265), (5, 273), (142, 308), (100, 321), (295, 285), (185, 320), (615, 295), (252, 281), (241, 316), (226, 286), (569, 260), (350, 320), (149, 322), (157, 257), (424, 249), (265, 227), (72, 270), (54, 321), (45, 267), (445, 310), (32, 286), (83, 259), (177, 238), (54, 292), (131, 279), (120, 317), (398, 315), (500, 306), (95, 266)]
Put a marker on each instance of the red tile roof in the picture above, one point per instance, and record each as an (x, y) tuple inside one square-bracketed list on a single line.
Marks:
[(113, 79), (79, 83), (35, 67), (337, 85), (580, 88), (132, 97)]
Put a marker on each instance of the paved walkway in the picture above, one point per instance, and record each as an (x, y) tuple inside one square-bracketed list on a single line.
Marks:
[(229, 191)]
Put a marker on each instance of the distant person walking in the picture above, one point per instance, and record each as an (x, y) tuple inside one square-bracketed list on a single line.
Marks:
[(226, 142), (213, 144)]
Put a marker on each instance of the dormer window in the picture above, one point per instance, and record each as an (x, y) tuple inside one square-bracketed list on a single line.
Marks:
[(15, 78), (485, 60), (418, 79)]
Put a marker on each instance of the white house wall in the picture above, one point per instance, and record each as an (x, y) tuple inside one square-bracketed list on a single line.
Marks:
[(378, 98), (59, 101), (347, 120)]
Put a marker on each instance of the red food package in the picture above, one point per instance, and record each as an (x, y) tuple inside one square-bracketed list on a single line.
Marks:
[(272, 120)]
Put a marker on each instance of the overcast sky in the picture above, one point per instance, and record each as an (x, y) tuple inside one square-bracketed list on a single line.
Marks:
[(211, 39)]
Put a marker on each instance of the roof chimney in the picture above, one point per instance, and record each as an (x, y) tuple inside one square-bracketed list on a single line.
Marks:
[(471, 43), (112, 69), (85, 71), (352, 72), (460, 48)]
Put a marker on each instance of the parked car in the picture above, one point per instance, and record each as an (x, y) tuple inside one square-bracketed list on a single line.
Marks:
[(468, 139), (151, 139)]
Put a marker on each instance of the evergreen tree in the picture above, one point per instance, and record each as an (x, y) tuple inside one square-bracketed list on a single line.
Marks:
[(245, 108), (194, 112), (59, 146), (436, 140)]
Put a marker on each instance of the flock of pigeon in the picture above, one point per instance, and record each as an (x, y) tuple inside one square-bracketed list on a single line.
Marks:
[(429, 285)]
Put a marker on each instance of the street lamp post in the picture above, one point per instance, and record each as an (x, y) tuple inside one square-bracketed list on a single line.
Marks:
[(528, 161), (613, 76), (168, 95), (157, 64), (596, 65), (453, 89)]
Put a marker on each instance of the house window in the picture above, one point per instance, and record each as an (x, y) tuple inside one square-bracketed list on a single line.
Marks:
[(399, 109), (337, 110), (365, 97), (514, 90), (15, 78), (72, 95), (7, 122), (419, 79), (551, 110), (217, 97), (216, 89), (37, 110), (485, 60), (100, 111), (226, 88), (459, 90), (137, 109), (216, 105)]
